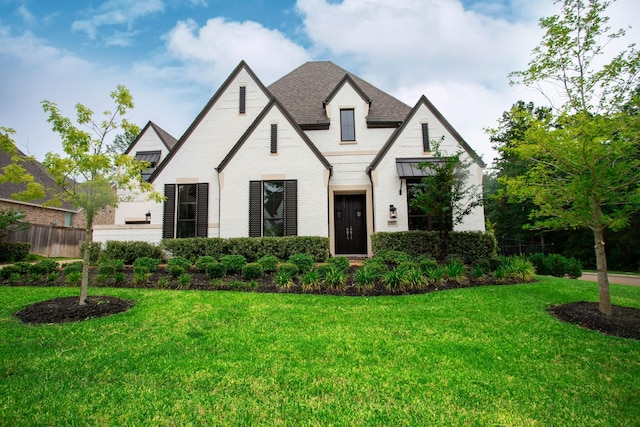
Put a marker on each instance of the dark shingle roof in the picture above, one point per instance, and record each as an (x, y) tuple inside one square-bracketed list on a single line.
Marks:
[(303, 91), (39, 174), (168, 140)]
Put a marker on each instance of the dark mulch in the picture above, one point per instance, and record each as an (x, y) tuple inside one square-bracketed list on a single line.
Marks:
[(624, 323), (61, 310)]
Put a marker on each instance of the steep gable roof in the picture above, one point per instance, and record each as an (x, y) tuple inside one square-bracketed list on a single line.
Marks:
[(394, 136), (273, 103), (241, 66), (347, 79), (168, 140), (39, 173), (303, 91)]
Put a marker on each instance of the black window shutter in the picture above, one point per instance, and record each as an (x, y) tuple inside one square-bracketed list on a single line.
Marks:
[(243, 99), (255, 208), (202, 209), (169, 214), (425, 137), (291, 208), (274, 138)]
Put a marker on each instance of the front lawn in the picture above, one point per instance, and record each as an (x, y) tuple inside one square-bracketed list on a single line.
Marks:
[(478, 356)]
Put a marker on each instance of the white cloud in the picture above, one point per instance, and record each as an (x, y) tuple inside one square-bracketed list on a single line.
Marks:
[(210, 52), (118, 13)]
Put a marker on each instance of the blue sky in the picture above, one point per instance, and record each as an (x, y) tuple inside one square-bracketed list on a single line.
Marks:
[(173, 55)]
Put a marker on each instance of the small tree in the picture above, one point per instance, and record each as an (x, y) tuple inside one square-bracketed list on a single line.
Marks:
[(12, 220), (445, 193), (585, 159), (89, 174)]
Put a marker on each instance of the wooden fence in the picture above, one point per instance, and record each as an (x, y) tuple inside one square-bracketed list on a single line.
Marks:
[(50, 240)]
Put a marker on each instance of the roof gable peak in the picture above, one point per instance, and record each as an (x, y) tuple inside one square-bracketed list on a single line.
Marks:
[(347, 79)]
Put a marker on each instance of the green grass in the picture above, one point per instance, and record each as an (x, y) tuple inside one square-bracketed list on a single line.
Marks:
[(479, 356)]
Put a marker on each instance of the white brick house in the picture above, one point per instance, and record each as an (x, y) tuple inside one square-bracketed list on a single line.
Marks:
[(320, 152)]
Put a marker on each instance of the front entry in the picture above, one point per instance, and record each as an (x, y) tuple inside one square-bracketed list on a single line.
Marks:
[(350, 221)]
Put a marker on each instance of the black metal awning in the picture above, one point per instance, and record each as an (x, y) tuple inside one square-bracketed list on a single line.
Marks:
[(408, 167), (148, 156)]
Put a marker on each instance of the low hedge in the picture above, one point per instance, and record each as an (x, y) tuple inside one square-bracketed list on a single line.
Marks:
[(252, 248), (468, 246), (14, 251), (130, 251)]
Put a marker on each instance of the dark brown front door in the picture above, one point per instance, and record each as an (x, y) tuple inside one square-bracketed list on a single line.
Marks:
[(350, 224)]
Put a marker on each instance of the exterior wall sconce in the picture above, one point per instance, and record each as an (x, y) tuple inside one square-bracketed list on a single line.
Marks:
[(393, 212), (147, 217)]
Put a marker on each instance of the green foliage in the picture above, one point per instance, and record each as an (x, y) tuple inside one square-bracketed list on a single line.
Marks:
[(216, 270), (515, 268), (392, 279), (175, 270), (252, 270), (323, 269), (476, 271), (11, 221), (339, 262), (365, 277), (72, 267), (455, 270), (234, 263), (95, 252), (147, 263), (289, 268), (184, 280), (141, 276), (251, 248), (413, 278), (435, 274), (376, 265), (43, 267), (283, 278), (304, 262), (182, 262), (335, 278), (74, 278), (7, 271), (14, 251), (310, 280), (392, 256), (269, 263), (130, 251), (203, 261), (556, 265), (469, 246), (427, 263)]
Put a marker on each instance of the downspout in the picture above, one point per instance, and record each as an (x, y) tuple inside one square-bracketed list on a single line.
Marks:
[(328, 209), (373, 200)]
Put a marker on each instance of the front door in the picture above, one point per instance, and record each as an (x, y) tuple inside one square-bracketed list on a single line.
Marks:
[(350, 224)]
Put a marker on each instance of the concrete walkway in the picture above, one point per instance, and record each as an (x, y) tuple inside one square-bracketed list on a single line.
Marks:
[(619, 279)]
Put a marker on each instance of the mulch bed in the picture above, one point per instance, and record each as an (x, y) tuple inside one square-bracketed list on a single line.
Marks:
[(624, 322), (61, 310)]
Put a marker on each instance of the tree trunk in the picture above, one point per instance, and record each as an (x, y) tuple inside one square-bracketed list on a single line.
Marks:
[(86, 260), (601, 264)]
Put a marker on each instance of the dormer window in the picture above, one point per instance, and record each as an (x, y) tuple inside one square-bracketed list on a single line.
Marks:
[(347, 125), (243, 100), (153, 157)]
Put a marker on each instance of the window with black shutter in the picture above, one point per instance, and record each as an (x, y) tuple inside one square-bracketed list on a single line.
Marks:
[(425, 137), (274, 138), (243, 100), (185, 211), (273, 208)]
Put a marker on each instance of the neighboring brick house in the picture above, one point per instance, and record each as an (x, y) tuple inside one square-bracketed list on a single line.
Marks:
[(320, 152), (61, 216)]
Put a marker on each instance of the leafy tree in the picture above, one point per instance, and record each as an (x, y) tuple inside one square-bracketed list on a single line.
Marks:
[(122, 141), (445, 193), (584, 160), (12, 220), (89, 174), (15, 171)]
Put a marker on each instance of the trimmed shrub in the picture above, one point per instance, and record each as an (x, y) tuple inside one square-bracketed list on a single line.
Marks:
[(392, 256), (9, 270), (303, 261), (195, 247), (556, 265), (14, 251), (74, 278), (182, 262), (130, 251), (574, 268), (175, 270), (43, 267), (290, 268), (376, 265), (149, 264), (234, 263), (216, 270), (72, 267), (252, 270), (339, 262), (203, 261), (269, 263), (94, 252), (323, 269)]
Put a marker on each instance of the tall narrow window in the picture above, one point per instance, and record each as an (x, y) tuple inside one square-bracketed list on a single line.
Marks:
[(273, 208), (425, 137), (347, 125), (274, 138), (243, 99), (186, 218)]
